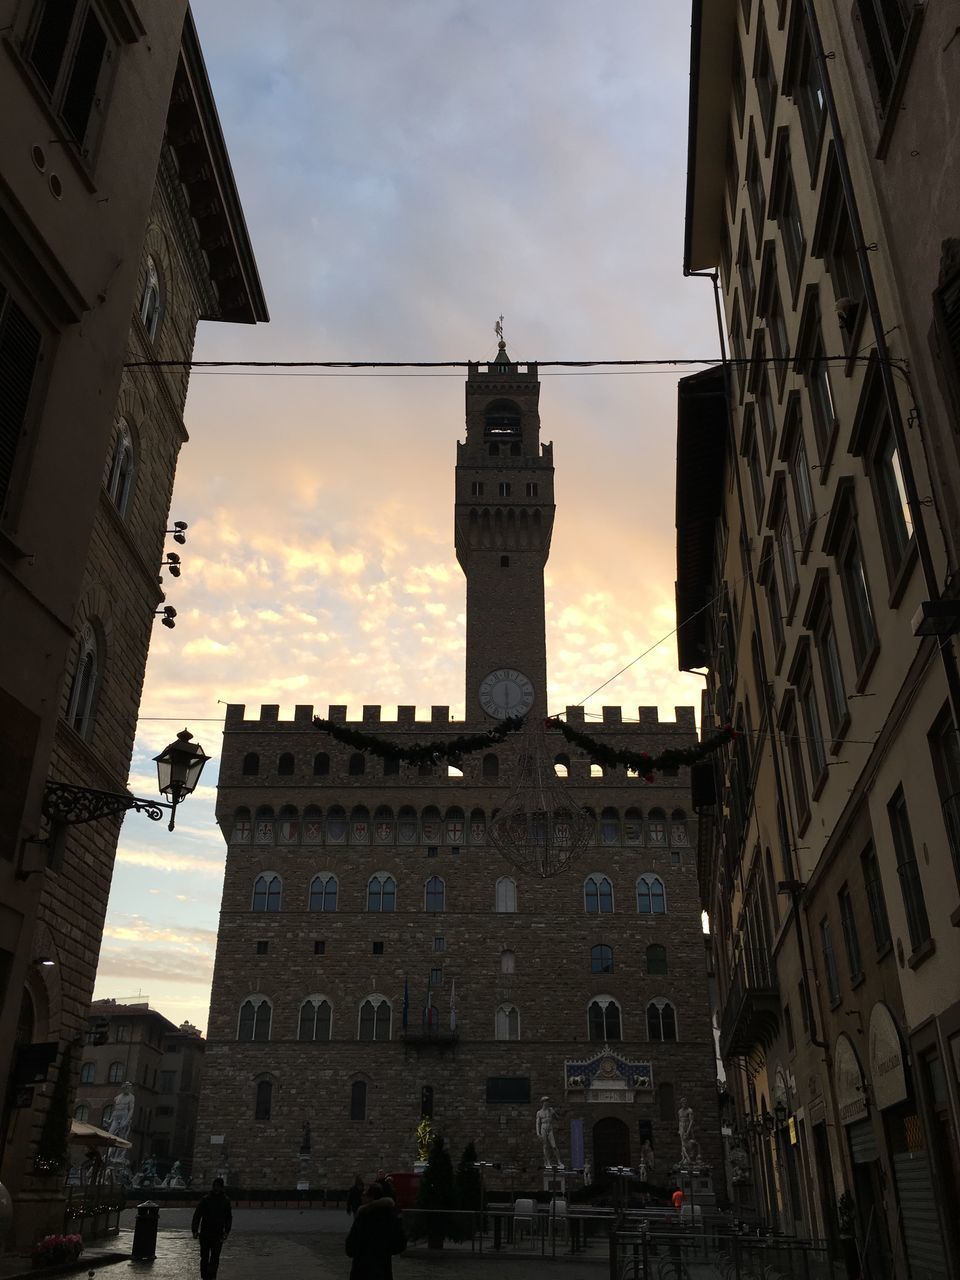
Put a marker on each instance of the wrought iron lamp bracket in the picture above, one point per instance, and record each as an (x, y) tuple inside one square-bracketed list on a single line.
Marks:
[(71, 805)]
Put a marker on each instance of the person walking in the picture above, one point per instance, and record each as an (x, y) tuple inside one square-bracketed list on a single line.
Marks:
[(355, 1195), (376, 1235), (212, 1220)]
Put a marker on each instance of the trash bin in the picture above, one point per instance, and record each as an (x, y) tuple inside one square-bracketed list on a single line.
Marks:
[(145, 1232)]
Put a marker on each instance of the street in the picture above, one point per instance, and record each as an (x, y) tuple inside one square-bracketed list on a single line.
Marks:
[(284, 1243)]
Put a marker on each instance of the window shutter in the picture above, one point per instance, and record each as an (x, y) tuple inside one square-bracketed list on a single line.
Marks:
[(50, 39), (19, 351), (84, 76), (947, 313)]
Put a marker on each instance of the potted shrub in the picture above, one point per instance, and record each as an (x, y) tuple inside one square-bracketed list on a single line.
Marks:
[(53, 1250)]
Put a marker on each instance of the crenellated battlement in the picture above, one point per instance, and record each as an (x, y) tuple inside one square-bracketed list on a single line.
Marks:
[(647, 719)]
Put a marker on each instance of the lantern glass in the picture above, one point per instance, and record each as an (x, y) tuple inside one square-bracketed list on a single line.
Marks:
[(179, 766)]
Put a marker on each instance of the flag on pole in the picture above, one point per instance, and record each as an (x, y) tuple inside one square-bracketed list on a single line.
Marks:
[(453, 1004), (406, 1002)]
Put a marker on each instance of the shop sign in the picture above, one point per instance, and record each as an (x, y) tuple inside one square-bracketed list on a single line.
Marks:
[(851, 1095), (887, 1072)]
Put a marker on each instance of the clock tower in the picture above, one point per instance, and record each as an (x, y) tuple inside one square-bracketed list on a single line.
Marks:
[(503, 522)]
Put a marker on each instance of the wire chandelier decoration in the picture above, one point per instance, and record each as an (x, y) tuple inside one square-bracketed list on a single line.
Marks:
[(540, 830)]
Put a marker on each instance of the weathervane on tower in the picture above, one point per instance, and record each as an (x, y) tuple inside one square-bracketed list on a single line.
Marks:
[(498, 328)]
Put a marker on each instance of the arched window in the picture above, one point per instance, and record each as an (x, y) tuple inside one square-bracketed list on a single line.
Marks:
[(267, 892), (360, 825), (81, 1111), (384, 827), (651, 898), (115, 1073), (321, 765), (561, 766), (256, 1014), (609, 827), (151, 301), (408, 828), (316, 1019), (251, 765), (430, 825), (678, 827), (288, 825), (656, 828), (501, 420), (601, 958), (507, 962), (86, 682), (106, 1115), (661, 1020), (508, 1022), (242, 827), (633, 827), (263, 825), (88, 1073), (358, 1100), (264, 1100), (374, 1021), (506, 898), (381, 892), (391, 766), (597, 895), (285, 764), (491, 766), (596, 771), (434, 892), (656, 960), (312, 825), (323, 893), (336, 825), (478, 827), (454, 827), (357, 765), (120, 475), (603, 1019)]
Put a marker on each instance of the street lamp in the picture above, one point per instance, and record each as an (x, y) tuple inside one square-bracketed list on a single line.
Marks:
[(178, 771), (780, 1112)]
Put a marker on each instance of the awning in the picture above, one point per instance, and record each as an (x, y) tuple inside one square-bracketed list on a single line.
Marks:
[(88, 1135)]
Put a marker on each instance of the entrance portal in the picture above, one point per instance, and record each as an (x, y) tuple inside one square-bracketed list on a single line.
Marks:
[(611, 1146)]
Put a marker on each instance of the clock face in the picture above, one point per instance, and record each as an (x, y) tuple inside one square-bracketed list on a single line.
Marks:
[(506, 693)]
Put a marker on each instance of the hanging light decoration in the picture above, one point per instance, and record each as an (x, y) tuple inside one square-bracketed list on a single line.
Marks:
[(540, 829)]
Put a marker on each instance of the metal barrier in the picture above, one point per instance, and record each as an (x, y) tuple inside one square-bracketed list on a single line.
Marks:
[(684, 1253)]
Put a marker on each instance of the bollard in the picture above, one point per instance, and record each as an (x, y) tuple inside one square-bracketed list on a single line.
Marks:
[(145, 1232)]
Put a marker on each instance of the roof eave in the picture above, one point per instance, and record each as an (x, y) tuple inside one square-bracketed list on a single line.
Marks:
[(712, 31)]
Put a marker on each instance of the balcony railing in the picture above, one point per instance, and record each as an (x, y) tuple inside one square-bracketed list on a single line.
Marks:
[(751, 1010)]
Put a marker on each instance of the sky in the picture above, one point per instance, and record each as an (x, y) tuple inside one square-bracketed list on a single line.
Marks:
[(409, 172)]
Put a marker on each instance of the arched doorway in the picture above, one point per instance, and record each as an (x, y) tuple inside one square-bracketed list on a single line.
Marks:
[(611, 1146)]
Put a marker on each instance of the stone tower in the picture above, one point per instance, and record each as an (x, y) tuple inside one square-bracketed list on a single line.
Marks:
[(379, 959), (504, 519)]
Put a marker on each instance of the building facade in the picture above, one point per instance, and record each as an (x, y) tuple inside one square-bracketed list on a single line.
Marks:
[(378, 960), (128, 1042), (122, 229), (817, 556)]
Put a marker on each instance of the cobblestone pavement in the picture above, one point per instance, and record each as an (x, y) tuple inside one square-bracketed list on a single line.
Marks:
[(284, 1244)]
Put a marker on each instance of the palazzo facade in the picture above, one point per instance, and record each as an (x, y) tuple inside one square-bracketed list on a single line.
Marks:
[(379, 960)]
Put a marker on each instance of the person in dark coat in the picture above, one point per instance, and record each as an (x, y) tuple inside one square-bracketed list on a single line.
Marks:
[(212, 1221), (376, 1235), (355, 1195)]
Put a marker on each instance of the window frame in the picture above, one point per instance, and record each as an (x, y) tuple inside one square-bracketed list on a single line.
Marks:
[(908, 872)]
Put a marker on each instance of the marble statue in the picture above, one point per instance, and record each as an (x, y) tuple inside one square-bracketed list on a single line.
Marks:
[(587, 1172), (123, 1107), (175, 1177), (147, 1175), (647, 1157), (689, 1147), (121, 1121), (545, 1121)]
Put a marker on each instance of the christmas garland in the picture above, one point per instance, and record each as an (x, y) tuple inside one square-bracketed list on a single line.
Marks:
[(644, 763), (454, 749), (450, 750)]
